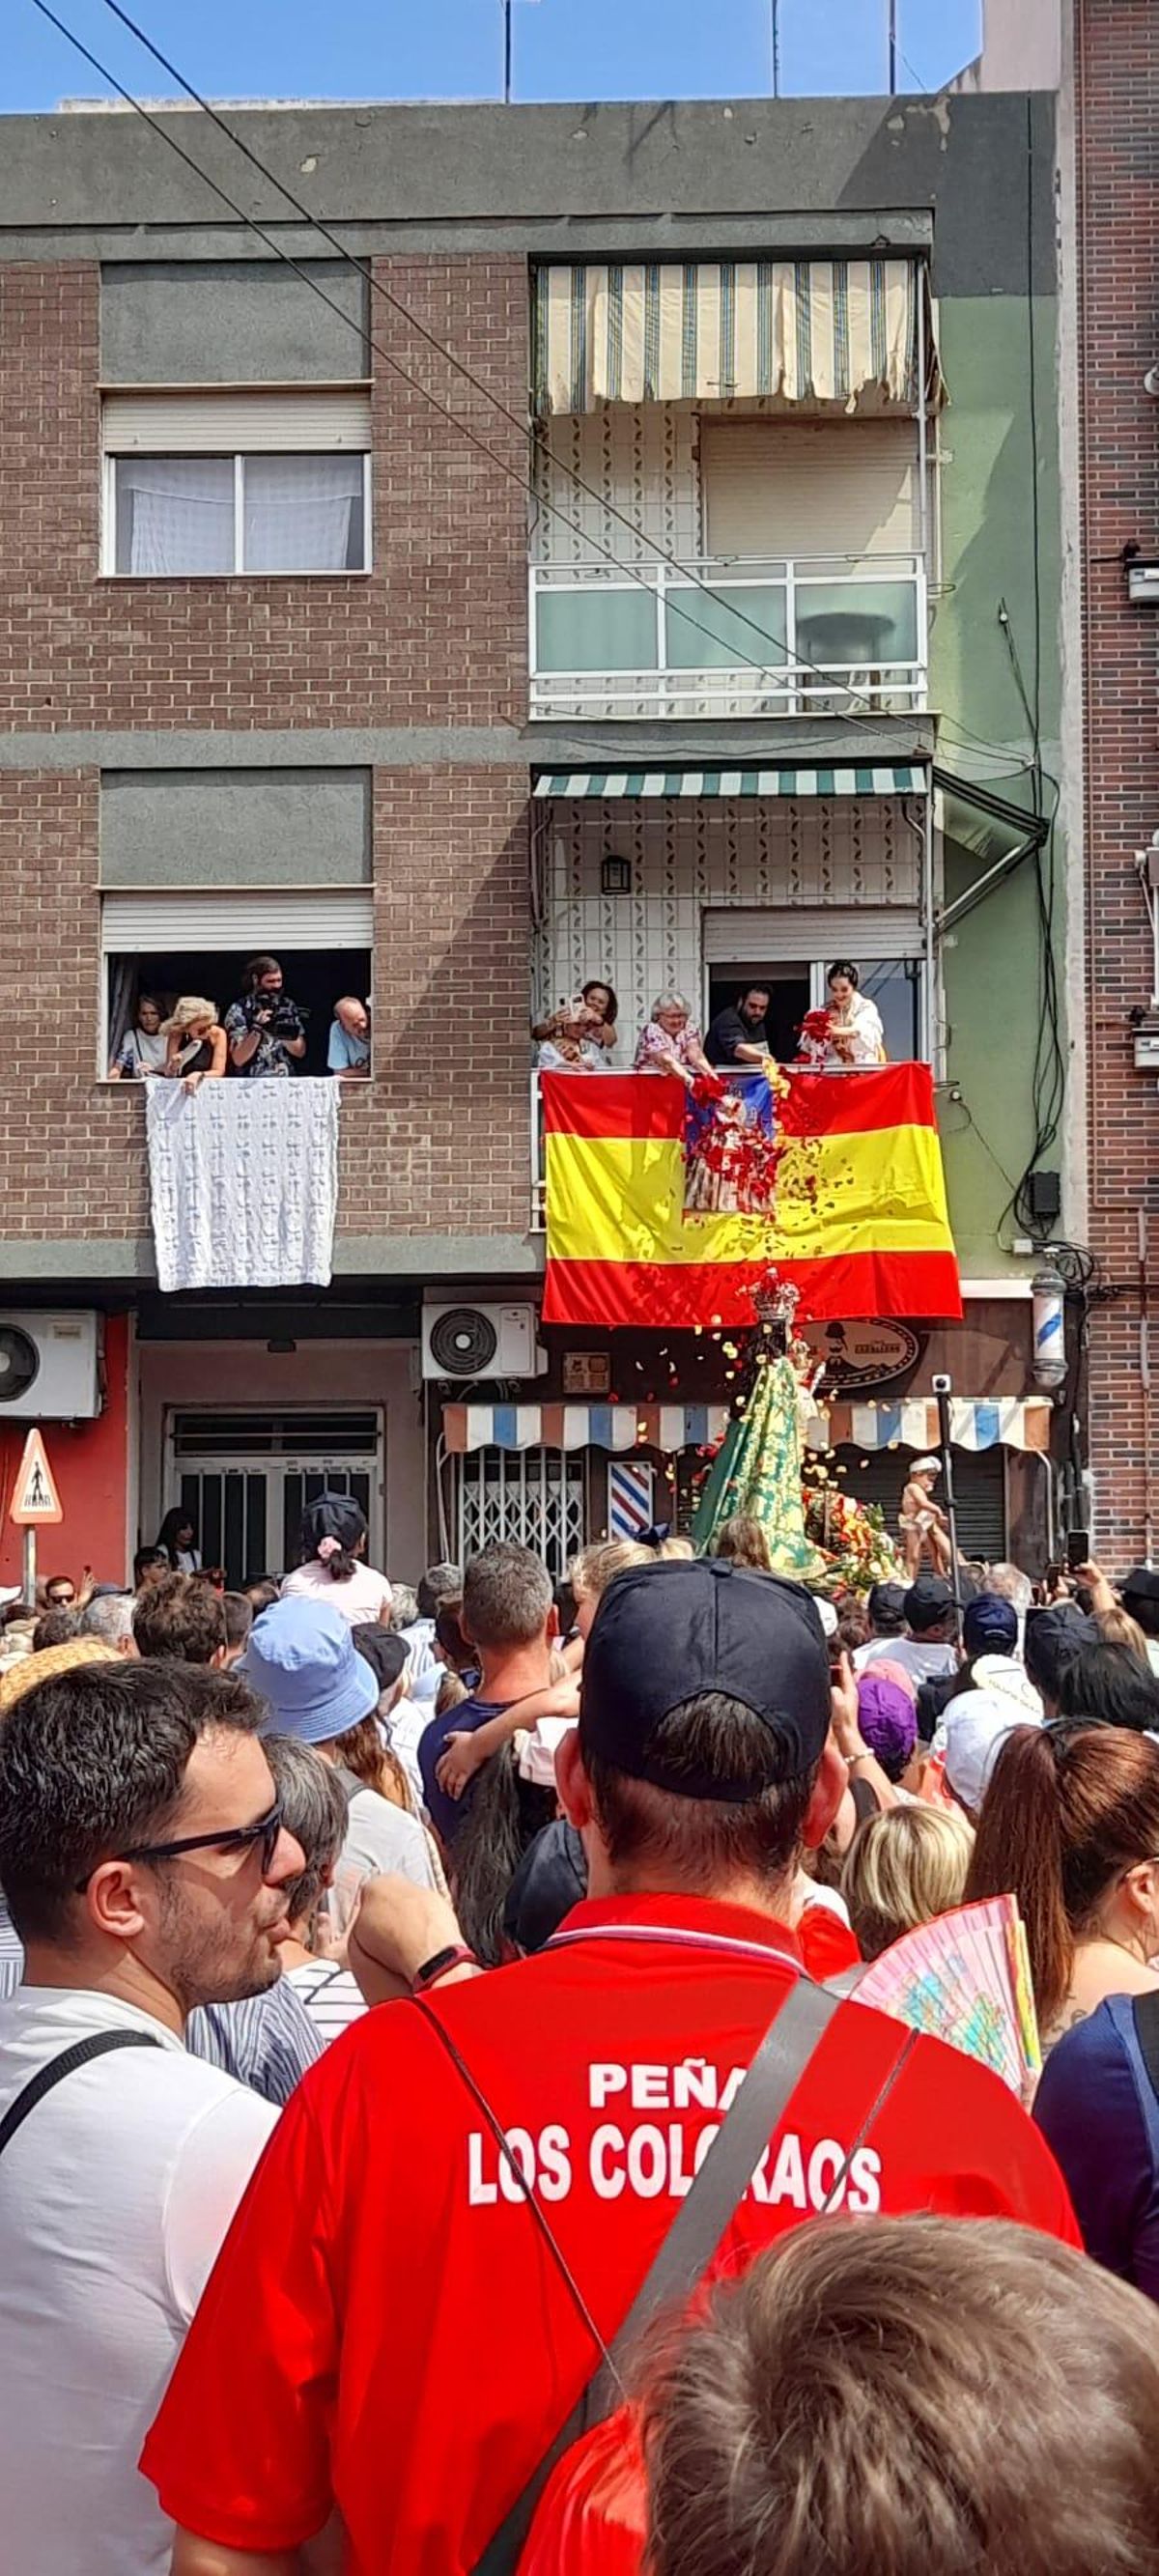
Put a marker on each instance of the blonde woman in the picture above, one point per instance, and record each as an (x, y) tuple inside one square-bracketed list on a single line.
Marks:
[(902, 1868), (196, 1043)]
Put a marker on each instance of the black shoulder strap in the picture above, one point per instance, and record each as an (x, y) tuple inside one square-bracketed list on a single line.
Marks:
[(101, 2044), (788, 2047)]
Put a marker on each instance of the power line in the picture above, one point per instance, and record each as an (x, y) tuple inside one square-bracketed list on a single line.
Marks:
[(578, 481), (866, 719)]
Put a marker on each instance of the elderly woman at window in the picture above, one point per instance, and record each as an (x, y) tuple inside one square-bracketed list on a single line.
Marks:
[(671, 1043)]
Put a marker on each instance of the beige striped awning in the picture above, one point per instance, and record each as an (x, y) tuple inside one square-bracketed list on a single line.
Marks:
[(834, 334)]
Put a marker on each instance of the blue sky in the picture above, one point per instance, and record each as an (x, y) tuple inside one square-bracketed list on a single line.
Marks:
[(453, 48)]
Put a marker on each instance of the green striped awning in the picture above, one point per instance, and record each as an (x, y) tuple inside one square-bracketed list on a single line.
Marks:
[(844, 335), (882, 779)]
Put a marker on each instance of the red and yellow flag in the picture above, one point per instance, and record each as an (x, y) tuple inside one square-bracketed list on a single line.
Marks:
[(858, 1220)]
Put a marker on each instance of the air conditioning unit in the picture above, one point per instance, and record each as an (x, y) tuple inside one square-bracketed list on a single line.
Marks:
[(50, 1367), (481, 1341)]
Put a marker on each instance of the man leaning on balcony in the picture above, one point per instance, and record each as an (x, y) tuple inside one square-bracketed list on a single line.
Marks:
[(739, 1034)]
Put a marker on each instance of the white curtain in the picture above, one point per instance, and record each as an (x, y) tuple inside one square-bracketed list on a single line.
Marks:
[(174, 515), (299, 513)]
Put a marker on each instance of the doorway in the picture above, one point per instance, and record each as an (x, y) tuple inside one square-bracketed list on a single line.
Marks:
[(789, 990), (245, 1480)]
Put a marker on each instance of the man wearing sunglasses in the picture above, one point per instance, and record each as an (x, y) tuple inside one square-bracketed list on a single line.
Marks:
[(144, 1862)]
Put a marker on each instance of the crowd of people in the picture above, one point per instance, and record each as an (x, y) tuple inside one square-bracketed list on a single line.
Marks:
[(263, 1033), (439, 2129), (581, 1035)]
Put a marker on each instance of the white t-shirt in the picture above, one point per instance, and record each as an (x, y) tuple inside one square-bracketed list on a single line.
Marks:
[(924, 1663), (114, 2199), (329, 1993), (363, 1595), (379, 1836)]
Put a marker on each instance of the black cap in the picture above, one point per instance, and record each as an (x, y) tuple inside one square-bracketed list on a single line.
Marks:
[(668, 1633), (1053, 1638), (886, 1601), (1141, 1584), (385, 1651), (928, 1600)]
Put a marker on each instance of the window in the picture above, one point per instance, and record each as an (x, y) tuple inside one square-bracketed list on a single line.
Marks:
[(257, 483), (168, 945), (255, 514), (792, 951)]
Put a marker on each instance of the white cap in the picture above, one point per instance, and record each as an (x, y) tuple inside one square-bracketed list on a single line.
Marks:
[(926, 1467), (973, 1730), (826, 1614), (9, 1592)]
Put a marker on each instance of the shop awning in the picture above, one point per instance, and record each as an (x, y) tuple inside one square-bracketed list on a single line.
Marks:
[(833, 334), (1009, 1423), (669, 1427), (882, 779)]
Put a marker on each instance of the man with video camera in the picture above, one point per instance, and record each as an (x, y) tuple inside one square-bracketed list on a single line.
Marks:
[(266, 1030)]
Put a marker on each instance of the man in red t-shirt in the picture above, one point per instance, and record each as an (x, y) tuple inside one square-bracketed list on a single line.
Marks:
[(390, 2330)]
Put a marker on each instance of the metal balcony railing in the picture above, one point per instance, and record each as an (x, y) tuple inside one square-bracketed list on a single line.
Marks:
[(744, 636)]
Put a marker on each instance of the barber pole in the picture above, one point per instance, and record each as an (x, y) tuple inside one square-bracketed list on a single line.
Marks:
[(630, 1497)]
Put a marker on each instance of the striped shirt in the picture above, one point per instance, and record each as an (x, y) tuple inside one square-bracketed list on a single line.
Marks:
[(267, 2041), (11, 1954), (329, 1994)]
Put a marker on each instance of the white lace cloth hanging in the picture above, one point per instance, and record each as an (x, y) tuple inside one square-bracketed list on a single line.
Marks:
[(243, 1178)]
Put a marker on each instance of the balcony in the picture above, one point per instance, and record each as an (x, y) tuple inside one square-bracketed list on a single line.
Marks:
[(745, 636)]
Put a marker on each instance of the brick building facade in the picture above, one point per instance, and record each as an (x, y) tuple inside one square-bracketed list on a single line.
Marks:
[(201, 747), (1115, 71)]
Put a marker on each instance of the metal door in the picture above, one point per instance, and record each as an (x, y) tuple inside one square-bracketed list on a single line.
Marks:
[(245, 1480), (532, 1496)]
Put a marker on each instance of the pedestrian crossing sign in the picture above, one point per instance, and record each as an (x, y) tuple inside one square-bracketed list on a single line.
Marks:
[(35, 1501)]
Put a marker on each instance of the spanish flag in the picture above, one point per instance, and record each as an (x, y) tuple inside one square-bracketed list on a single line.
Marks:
[(857, 1217)]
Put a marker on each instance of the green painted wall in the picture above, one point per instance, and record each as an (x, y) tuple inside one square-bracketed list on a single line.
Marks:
[(992, 476)]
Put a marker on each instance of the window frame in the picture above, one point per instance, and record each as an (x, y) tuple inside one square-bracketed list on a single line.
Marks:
[(238, 572), (816, 968)]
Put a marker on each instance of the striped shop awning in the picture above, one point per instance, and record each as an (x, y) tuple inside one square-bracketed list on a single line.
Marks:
[(978, 1423), (669, 1427), (836, 334), (881, 779)]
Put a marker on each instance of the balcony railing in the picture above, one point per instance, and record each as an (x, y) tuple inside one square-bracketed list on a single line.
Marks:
[(774, 635)]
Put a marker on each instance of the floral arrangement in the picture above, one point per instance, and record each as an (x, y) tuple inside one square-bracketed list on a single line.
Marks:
[(852, 1534)]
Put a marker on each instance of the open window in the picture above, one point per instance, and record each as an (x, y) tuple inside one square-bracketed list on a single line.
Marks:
[(791, 951), (170, 944)]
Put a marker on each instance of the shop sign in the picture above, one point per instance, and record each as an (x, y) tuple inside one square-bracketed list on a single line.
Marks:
[(862, 1354)]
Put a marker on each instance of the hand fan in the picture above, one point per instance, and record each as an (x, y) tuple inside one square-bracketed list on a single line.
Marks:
[(965, 1978)]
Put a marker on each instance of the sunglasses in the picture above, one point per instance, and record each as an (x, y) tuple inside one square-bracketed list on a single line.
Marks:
[(264, 1832)]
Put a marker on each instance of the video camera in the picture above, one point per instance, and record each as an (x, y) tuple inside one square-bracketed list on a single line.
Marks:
[(276, 1013)]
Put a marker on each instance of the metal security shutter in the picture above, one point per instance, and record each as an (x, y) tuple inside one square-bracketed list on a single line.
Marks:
[(809, 488), (180, 423), (334, 917), (803, 933), (979, 1493)]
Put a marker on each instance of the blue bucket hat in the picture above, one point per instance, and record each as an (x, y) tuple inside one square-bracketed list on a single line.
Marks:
[(301, 1659)]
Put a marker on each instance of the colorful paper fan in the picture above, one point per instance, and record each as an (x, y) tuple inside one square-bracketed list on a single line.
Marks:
[(965, 1978)]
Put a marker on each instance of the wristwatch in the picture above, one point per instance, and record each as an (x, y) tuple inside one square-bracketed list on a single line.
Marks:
[(456, 1955)]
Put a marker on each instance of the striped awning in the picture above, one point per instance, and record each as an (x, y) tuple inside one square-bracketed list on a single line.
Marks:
[(1000, 1422), (668, 1427), (883, 778), (834, 334)]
